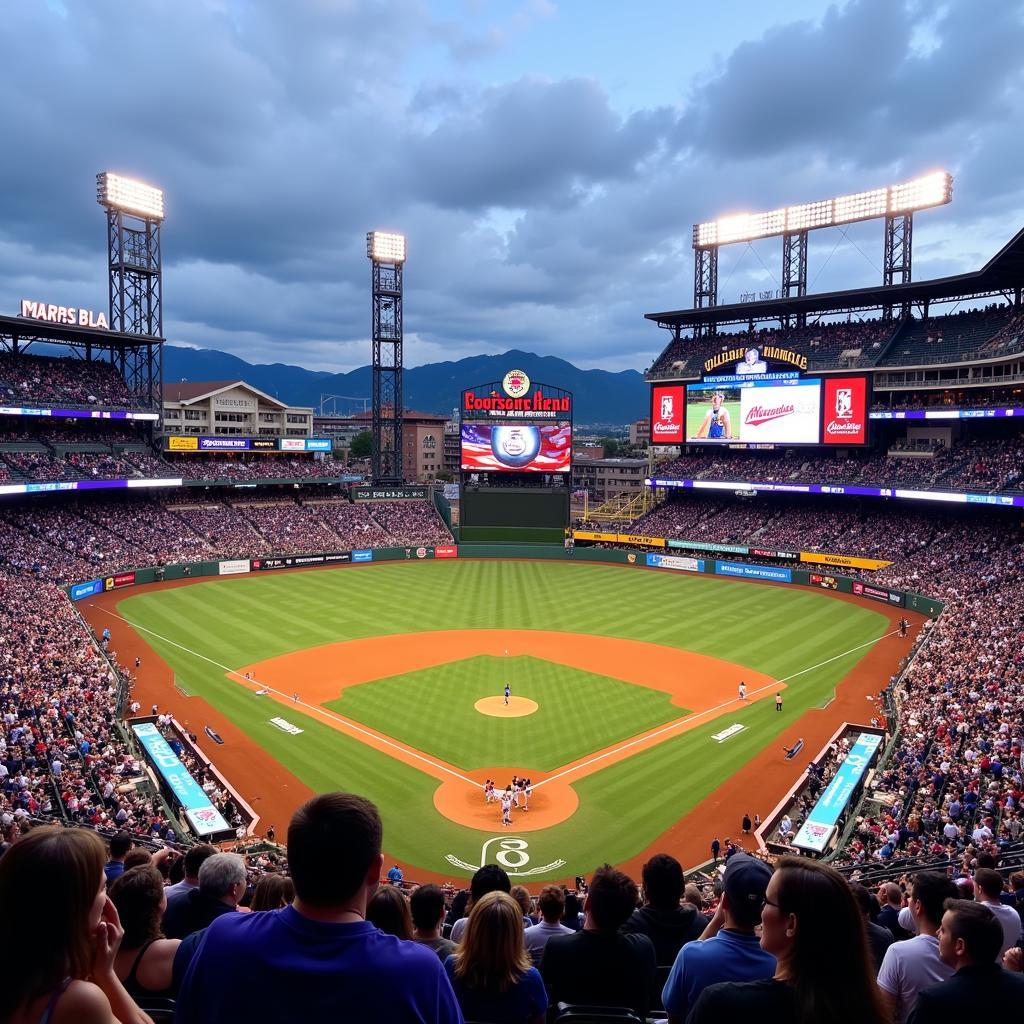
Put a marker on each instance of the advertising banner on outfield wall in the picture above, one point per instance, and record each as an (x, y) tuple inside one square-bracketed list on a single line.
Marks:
[(700, 545), (893, 597), (204, 818), (608, 538), (828, 582), (80, 590), (300, 561), (850, 561), (232, 566), (754, 572), (363, 555), (446, 551), (656, 561), (816, 831), (118, 580)]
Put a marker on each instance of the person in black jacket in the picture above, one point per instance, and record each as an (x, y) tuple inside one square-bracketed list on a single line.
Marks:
[(970, 938), (599, 966), (662, 919), (221, 885)]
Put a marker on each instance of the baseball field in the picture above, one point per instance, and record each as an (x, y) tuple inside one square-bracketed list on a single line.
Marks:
[(623, 682)]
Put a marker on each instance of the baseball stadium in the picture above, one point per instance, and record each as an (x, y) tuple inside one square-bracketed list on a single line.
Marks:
[(798, 638)]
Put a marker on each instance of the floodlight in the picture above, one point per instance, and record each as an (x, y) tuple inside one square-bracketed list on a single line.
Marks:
[(385, 247), (136, 197), (933, 189)]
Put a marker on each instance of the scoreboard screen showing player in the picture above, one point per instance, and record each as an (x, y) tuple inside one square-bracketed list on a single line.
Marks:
[(517, 447), (774, 411)]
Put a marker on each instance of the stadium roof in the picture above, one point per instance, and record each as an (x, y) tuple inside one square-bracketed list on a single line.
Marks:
[(1003, 273), (29, 329)]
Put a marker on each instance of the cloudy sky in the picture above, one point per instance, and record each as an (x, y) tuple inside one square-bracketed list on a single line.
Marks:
[(546, 158)]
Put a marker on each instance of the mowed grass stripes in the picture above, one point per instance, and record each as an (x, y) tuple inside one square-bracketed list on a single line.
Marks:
[(792, 634), (578, 712)]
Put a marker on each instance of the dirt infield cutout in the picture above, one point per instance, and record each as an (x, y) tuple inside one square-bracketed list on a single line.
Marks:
[(706, 686), (517, 707)]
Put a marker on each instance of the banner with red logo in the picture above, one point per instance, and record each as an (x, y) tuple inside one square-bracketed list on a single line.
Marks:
[(667, 419), (845, 411), (446, 552)]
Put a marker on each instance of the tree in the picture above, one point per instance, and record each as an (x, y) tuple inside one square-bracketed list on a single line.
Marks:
[(362, 445)]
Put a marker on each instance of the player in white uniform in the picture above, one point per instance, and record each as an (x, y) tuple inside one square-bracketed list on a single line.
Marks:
[(506, 807), (743, 691)]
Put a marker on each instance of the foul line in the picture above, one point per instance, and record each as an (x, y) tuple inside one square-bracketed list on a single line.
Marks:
[(377, 737), (689, 719)]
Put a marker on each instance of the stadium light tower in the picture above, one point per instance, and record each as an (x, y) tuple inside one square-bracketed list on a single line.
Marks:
[(896, 203), (386, 251), (135, 213)]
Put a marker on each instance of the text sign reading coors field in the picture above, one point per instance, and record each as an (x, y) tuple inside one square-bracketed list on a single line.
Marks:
[(515, 397), (204, 818), (816, 831)]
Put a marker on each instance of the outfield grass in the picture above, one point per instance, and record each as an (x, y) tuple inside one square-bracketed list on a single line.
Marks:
[(778, 631), (578, 712)]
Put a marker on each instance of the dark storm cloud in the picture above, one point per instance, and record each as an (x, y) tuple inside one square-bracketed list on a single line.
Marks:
[(539, 214)]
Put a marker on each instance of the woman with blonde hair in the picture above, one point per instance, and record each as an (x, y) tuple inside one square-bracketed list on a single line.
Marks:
[(60, 933), (491, 970)]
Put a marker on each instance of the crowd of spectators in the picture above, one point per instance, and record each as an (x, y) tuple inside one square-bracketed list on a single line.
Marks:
[(39, 380), (260, 467)]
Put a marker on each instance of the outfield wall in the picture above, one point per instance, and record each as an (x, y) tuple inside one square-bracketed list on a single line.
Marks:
[(658, 560)]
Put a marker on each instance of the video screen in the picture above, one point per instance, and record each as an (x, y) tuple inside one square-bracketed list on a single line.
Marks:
[(517, 447), (754, 411)]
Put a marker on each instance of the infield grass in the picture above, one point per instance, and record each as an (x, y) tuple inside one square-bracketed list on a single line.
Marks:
[(778, 631)]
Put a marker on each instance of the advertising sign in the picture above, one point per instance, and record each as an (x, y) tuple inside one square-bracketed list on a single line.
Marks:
[(318, 444), (363, 555), (80, 590), (70, 315), (816, 831), (701, 545), (828, 582), (845, 411), (656, 561), (850, 561), (757, 411), (668, 405), (292, 444), (388, 493), (263, 444), (447, 551), (299, 561), (224, 444), (877, 593), (232, 566), (182, 444), (204, 818), (118, 580), (511, 400), (754, 572), (517, 448)]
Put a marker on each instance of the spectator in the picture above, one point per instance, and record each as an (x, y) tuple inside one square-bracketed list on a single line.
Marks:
[(222, 882), (988, 885), (318, 957), (914, 965), (273, 891), (890, 896), (879, 938), (489, 878), (194, 858), (599, 966), (145, 959), (728, 949), (388, 909), (812, 926), (969, 939), (662, 919), (60, 933), (522, 896), (119, 848), (490, 970), (551, 904), (428, 912)]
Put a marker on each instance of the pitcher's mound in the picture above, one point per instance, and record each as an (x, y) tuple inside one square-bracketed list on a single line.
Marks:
[(515, 708)]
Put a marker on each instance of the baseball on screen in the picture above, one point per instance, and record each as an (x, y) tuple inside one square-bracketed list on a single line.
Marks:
[(517, 448)]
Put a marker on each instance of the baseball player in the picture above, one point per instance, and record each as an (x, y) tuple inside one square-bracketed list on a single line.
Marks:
[(508, 692), (743, 690), (506, 806)]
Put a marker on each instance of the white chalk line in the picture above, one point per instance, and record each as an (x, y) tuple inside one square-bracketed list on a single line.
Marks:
[(689, 719), (323, 712)]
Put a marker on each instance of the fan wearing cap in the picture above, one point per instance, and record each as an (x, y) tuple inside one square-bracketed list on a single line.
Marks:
[(728, 949)]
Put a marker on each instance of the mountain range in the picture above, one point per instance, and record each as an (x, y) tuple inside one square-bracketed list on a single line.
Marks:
[(599, 396)]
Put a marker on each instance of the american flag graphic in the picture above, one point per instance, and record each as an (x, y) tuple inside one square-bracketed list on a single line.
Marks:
[(482, 448)]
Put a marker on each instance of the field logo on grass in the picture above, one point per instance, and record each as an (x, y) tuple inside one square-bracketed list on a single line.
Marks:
[(721, 737), (511, 855), (286, 726)]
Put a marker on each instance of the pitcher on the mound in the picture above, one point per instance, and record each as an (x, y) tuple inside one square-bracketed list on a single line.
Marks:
[(506, 807), (508, 692)]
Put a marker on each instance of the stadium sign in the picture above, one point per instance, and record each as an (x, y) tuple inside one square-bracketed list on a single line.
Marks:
[(70, 315), (756, 364), (389, 493), (515, 396)]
